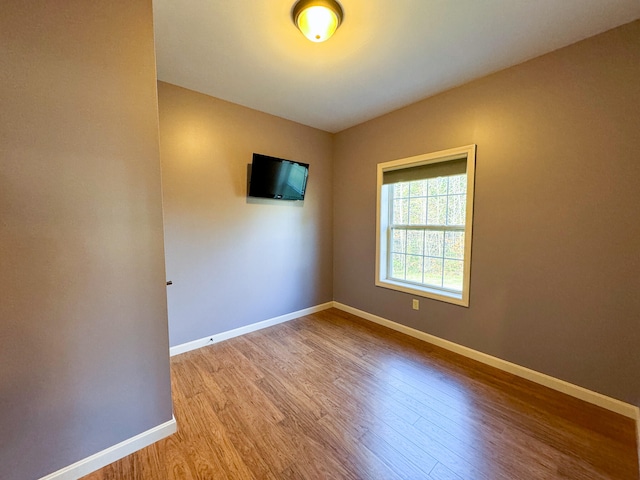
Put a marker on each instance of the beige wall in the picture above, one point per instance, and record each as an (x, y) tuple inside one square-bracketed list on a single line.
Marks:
[(555, 265), (84, 358), (235, 261)]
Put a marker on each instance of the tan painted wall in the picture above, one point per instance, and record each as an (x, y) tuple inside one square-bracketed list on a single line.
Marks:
[(554, 275), (236, 261), (84, 357)]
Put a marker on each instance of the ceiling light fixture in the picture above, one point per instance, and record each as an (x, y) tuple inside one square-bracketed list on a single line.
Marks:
[(317, 19)]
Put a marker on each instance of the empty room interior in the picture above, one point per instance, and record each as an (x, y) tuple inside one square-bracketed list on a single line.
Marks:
[(403, 246)]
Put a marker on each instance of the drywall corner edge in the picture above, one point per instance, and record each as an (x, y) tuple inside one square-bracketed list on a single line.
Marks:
[(562, 386), (114, 453)]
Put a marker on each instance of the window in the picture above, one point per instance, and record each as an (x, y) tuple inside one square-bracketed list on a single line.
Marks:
[(425, 212)]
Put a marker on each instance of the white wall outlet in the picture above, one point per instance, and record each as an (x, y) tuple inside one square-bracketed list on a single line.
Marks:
[(416, 304)]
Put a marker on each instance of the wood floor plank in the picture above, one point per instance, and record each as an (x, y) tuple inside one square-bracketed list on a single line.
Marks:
[(255, 436), (438, 407), (330, 395), (395, 458), (440, 472), (290, 376), (307, 428), (521, 411), (345, 461), (484, 379), (223, 454)]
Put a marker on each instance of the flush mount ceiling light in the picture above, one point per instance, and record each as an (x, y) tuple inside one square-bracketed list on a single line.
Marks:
[(317, 19)]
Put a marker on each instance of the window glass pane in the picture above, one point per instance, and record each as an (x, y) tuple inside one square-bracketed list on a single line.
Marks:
[(457, 184), (438, 186), (454, 245), (399, 241), (415, 242), (418, 188), (434, 246), (401, 190), (414, 268), (433, 271), (456, 209), (398, 266), (400, 212), (453, 274), (417, 211), (437, 211)]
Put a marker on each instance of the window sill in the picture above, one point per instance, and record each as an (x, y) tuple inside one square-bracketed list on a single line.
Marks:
[(433, 293)]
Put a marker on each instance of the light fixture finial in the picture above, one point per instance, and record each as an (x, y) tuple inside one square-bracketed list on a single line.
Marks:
[(317, 19)]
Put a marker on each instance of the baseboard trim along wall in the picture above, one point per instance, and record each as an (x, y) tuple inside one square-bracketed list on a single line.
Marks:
[(114, 453), (219, 337), (576, 391)]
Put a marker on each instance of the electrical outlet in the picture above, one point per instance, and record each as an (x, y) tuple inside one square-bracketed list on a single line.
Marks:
[(416, 304)]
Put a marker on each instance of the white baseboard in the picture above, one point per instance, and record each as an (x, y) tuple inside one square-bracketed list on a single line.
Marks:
[(219, 337), (112, 454), (576, 391)]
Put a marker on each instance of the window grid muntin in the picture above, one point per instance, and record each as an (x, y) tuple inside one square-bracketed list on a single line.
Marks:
[(402, 187)]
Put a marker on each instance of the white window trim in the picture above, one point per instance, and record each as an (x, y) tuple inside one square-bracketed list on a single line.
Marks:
[(382, 242)]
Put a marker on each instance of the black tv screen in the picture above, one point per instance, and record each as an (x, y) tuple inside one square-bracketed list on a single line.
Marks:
[(277, 178)]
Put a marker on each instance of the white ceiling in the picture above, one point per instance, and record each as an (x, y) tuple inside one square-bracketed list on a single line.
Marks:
[(385, 55)]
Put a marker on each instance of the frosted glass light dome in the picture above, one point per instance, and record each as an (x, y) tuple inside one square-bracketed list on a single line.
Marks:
[(317, 19)]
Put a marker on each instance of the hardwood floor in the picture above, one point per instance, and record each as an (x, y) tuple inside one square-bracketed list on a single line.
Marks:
[(331, 396)]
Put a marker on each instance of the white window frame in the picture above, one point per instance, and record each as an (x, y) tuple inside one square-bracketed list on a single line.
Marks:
[(382, 226)]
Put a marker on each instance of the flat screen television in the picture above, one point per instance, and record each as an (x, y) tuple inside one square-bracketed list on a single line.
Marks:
[(277, 178)]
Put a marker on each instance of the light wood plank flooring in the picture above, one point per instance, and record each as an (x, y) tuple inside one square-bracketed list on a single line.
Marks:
[(332, 396)]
